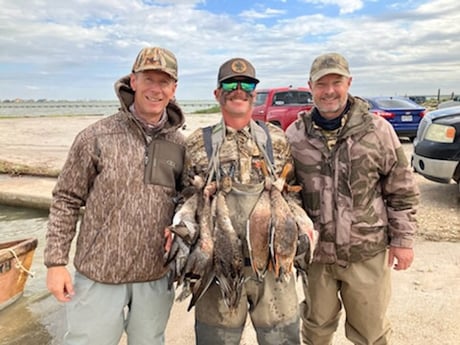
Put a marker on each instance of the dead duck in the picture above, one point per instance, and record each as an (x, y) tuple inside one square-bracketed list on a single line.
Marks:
[(283, 237), (284, 229), (184, 229), (198, 270), (258, 235), (228, 257), (184, 222)]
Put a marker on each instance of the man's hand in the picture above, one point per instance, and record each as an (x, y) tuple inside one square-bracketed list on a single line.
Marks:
[(59, 283), (400, 258), (168, 240)]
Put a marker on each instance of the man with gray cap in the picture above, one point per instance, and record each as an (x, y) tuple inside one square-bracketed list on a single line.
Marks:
[(123, 172), (361, 194), (231, 156)]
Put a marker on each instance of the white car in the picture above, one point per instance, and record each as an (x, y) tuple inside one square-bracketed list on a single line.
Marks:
[(437, 146)]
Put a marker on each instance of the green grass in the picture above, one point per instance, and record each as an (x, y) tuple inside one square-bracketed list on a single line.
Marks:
[(212, 110)]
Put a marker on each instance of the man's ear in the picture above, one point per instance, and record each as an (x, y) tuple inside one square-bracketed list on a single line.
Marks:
[(132, 81)]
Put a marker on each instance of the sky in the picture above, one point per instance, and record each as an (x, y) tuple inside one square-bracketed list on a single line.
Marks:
[(77, 49)]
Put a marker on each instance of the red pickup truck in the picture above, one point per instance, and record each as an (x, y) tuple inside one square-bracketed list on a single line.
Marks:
[(281, 105)]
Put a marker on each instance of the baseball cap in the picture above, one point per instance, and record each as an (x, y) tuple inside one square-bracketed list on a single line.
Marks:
[(236, 67), (156, 58), (330, 63)]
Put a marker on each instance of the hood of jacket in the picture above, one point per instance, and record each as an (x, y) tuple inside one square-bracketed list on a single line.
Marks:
[(125, 94)]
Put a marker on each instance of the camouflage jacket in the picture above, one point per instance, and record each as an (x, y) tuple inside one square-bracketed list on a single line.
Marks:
[(127, 182), (238, 152), (361, 194)]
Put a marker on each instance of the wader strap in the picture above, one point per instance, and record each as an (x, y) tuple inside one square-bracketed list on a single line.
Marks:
[(213, 136), (264, 142), (264, 139)]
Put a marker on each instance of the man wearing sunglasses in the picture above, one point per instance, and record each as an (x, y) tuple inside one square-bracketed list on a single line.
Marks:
[(239, 150)]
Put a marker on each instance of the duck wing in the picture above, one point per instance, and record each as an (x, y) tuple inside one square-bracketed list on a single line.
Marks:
[(181, 251), (308, 236)]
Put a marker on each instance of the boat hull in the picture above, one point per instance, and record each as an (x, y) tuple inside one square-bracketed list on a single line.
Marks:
[(15, 261)]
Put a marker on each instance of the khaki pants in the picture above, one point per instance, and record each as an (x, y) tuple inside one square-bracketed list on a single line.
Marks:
[(364, 288)]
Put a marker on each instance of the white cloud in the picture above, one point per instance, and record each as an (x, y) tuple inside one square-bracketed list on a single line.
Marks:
[(267, 13), (77, 49), (345, 6)]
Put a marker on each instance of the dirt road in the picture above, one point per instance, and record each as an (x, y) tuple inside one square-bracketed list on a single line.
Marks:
[(425, 307)]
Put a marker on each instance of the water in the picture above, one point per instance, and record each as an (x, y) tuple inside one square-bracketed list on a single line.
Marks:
[(35, 317), (97, 108)]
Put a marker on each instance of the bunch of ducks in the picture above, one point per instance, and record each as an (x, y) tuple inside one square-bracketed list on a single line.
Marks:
[(207, 248)]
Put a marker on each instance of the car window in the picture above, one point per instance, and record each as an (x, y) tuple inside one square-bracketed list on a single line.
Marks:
[(261, 97), (395, 103), (292, 97)]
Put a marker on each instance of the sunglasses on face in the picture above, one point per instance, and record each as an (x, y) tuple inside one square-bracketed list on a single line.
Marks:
[(233, 85)]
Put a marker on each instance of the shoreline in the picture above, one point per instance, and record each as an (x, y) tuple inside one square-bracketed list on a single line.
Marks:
[(25, 154)]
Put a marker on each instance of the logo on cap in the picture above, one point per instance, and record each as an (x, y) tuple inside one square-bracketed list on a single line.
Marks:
[(236, 67), (152, 61), (239, 66)]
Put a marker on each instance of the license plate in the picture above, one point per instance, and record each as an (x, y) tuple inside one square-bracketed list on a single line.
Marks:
[(406, 118)]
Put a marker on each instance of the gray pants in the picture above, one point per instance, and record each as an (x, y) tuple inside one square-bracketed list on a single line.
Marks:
[(272, 306), (100, 313)]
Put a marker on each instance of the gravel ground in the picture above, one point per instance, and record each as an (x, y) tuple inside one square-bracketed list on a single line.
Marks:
[(425, 307)]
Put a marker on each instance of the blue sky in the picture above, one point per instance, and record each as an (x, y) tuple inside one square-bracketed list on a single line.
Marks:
[(77, 49)]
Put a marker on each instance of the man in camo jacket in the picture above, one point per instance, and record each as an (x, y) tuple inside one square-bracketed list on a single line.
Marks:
[(271, 305), (125, 171), (360, 192)]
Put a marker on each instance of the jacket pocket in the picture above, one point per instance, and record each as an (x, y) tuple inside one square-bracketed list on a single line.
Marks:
[(165, 161)]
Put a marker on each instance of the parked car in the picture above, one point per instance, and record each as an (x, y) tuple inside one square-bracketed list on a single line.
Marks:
[(403, 114), (437, 146), (281, 105)]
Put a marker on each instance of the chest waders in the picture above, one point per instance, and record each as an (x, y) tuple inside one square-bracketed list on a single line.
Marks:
[(272, 305), (242, 197)]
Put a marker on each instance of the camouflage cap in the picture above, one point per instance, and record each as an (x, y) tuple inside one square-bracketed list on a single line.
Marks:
[(331, 63), (236, 67), (156, 58)]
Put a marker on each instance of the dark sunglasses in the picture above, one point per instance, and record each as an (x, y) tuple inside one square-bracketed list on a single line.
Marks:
[(233, 85)]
